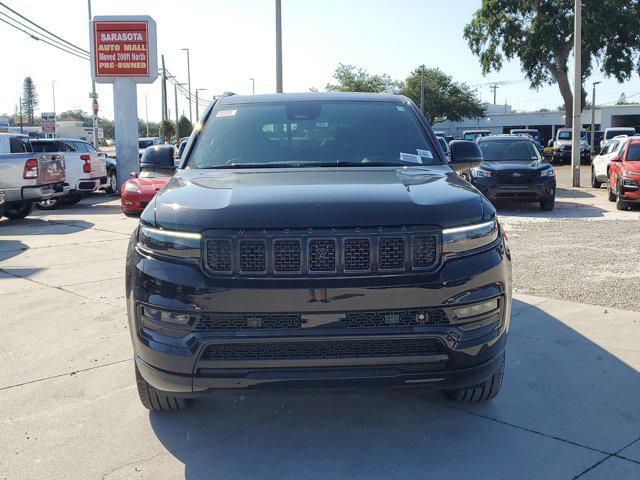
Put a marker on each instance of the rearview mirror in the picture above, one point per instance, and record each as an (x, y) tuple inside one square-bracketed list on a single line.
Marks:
[(465, 154)]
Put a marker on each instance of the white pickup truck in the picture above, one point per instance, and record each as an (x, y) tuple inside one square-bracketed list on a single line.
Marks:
[(86, 168), (26, 177)]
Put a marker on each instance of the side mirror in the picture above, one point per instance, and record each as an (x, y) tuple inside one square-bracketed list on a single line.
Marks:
[(158, 157), (465, 154), (550, 143), (617, 158)]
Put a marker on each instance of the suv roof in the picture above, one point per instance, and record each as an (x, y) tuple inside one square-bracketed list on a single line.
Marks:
[(302, 97), (506, 137)]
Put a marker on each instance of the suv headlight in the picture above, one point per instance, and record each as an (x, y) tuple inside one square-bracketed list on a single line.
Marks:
[(549, 172), (471, 237), (480, 173), (170, 242)]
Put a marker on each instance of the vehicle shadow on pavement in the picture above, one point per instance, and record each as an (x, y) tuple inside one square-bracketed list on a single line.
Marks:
[(38, 226), (566, 403), (93, 204)]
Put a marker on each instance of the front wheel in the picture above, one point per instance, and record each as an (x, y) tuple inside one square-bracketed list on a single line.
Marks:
[(155, 400), (620, 203), (19, 210), (481, 393), (594, 181), (548, 205), (112, 182), (612, 195)]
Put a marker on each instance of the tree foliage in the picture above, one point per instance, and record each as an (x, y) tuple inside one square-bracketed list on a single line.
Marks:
[(185, 127), (540, 34), (29, 99), (167, 129), (444, 99), (354, 79)]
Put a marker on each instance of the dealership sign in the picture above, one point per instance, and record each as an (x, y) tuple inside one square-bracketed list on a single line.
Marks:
[(48, 122), (123, 47)]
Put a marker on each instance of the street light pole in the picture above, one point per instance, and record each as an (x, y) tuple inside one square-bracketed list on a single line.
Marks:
[(175, 91), (197, 104), (593, 117), (253, 85), (146, 112), (94, 96), (189, 83), (53, 91), (279, 46), (577, 94)]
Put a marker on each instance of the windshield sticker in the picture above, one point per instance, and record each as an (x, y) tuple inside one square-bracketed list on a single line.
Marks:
[(400, 108), (226, 113), (410, 157), (425, 154)]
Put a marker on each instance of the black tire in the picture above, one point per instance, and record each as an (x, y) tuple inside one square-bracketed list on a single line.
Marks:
[(481, 393), (620, 203), (612, 195), (17, 211), (72, 198), (112, 181), (131, 214), (49, 204), (156, 401), (594, 182), (548, 205)]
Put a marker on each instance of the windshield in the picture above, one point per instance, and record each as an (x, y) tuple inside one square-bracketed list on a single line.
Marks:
[(566, 135), (147, 143), (511, 150), (308, 133), (45, 147), (633, 154), (532, 133)]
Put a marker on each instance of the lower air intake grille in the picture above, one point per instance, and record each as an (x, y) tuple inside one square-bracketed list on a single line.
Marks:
[(250, 321), (415, 317), (318, 350)]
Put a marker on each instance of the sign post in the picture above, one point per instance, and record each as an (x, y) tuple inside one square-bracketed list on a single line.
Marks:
[(48, 123), (124, 53)]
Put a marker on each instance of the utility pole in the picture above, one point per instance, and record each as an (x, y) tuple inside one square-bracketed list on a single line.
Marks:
[(21, 129), (253, 86), (189, 83), (146, 112), (175, 89), (494, 87), (197, 104), (53, 91), (577, 93), (422, 88), (593, 118), (279, 46), (94, 96), (163, 84)]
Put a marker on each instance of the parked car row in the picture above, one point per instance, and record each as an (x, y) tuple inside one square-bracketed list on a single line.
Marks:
[(618, 165)]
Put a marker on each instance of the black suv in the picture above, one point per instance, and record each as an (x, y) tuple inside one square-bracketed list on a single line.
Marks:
[(513, 169), (318, 240)]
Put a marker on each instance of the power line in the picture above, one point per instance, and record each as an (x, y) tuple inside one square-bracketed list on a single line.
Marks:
[(44, 29), (43, 40)]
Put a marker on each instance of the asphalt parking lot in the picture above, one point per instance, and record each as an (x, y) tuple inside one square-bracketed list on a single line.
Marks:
[(568, 408)]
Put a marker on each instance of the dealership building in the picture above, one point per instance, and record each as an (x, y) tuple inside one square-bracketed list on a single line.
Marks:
[(501, 119)]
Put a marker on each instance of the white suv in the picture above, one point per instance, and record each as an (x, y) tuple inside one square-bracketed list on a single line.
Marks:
[(601, 162)]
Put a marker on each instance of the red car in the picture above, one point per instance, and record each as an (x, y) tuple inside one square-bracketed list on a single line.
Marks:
[(624, 176), (138, 191)]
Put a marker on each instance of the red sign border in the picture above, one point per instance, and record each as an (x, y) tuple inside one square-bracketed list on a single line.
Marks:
[(95, 49)]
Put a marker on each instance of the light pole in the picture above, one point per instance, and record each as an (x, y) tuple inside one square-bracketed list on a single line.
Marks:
[(94, 97), (146, 112), (189, 82), (175, 91), (197, 104), (53, 91), (279, 46), (593, 117), (253, 85), (577, 93)]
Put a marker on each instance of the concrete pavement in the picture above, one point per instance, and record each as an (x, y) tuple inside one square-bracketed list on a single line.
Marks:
[(568, 409)]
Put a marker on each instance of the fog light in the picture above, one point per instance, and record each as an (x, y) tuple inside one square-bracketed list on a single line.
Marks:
[(157, 315), (477, 309)]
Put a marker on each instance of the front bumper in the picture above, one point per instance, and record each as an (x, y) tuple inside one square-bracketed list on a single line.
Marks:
[(178, 359), (543, 189), (565, 155)]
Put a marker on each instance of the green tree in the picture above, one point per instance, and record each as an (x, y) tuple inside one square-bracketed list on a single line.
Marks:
[(29, 99), (185, 127), (354, 79), (444, 99), (540, 34), (78, 116), (167, 129)]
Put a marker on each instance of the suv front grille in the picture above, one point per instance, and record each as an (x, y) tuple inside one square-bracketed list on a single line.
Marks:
[(304, 350), (516, 177), (323, 253), (410, 317)]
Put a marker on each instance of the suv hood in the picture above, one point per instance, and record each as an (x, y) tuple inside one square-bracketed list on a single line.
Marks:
[(524, 165), (196, 200)]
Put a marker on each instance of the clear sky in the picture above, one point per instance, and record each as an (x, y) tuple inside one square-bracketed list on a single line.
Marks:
[(233, 40)]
